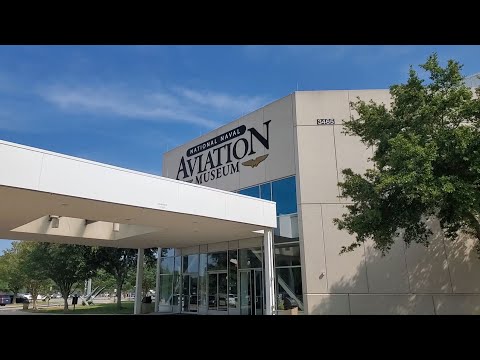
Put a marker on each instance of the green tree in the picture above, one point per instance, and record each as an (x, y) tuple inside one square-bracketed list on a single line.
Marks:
[(426, 161), (36, 278), (3, 283), (119, 263), (11, 272), (149, 276), (67, 265), (130, 281), (104, 279)]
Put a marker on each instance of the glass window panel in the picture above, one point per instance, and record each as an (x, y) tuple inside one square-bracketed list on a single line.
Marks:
[(245, 291), (189, 293), (259, 284), (185, 291), (193, 302), (266, 191), (190, 263), (285, 195), (165, 295), (287, 255), (232, 279), (222, 292), (166, 266), (251, 191), (217, 261), (289, 285), (212, 291), (168, 252), (250, 258), (178, 264), (177, 282), (203, 280), (287, 227), (281, 239)]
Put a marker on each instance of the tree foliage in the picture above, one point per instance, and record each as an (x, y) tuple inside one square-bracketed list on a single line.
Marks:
[(105, 280), (67, 265), (149, 276), (36, 278), (120, 263), (20, 269), (11, 273), (426, 161)]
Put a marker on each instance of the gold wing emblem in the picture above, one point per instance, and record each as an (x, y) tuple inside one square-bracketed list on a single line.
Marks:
[(254, 162)]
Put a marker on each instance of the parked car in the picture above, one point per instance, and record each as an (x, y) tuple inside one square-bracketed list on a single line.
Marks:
[(232, 299), (212, 301), (5, 299), (39, 297), (21, 298)]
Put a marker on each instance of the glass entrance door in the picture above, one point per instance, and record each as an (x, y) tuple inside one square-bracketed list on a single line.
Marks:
[(217, 291), (190, 293), (251, 292)]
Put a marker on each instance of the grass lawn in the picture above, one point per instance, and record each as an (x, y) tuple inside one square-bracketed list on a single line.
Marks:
[(127, 308)]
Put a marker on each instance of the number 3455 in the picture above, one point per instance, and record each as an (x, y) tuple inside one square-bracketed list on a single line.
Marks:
[(325, 121)]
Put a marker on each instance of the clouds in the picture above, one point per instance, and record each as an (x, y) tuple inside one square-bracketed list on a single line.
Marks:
[(222, 101), (180, 105), (194, 89)]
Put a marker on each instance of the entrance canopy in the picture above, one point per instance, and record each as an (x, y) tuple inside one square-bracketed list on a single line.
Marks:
[(51, 197)]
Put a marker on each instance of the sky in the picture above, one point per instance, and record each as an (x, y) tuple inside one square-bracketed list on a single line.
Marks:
[(127, 105)]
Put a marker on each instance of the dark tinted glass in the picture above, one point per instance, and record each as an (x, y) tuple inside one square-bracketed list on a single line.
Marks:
[(166, 266), (289, 288), (250, 258), (287, 255), (251, 191), (168, 252), (217, 261), (266, 191), (190, 263), (285, 195)]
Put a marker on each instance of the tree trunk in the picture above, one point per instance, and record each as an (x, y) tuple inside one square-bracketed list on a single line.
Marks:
[(119, 295), (65, 302), (34, 293), (14, 301)]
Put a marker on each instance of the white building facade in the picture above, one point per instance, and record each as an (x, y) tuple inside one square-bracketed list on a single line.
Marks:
[(292, 152)]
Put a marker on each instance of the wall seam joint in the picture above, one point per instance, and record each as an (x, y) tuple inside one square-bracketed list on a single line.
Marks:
[(324, 250), (40, 174), (336, 161)]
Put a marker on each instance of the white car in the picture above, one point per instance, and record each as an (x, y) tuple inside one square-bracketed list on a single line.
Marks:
[(39, 297), (232, 299)]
